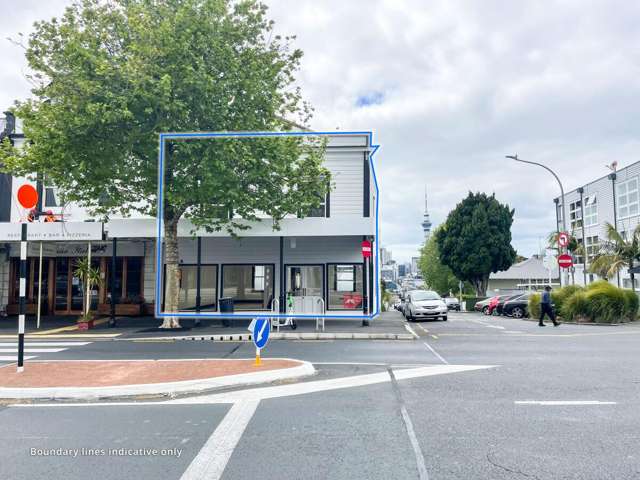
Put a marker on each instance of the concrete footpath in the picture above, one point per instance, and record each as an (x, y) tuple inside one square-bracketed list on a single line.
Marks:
[(111, 379), (387, 326)]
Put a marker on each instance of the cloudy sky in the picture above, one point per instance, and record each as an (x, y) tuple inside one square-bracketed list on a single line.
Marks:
[(450, 87)]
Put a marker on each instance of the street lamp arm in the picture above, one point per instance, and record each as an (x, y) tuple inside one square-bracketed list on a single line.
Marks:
[(515, 157)]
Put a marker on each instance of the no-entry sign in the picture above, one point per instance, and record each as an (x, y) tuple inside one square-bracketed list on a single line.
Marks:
[(366, 249), (565, 261)]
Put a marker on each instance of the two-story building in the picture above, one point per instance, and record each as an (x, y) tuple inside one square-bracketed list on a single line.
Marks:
[(314, 258), (614, 199)]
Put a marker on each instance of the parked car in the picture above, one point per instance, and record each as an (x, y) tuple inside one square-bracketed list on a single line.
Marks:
[(452, 303), (517, 307), (483, 305), (403, 301), (498, 308), (426, 304)]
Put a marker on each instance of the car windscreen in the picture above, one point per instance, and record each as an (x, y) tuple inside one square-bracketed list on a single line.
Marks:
[(420, 296)]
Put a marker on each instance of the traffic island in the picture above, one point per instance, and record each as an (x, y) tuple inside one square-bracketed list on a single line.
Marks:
[(92, 380)]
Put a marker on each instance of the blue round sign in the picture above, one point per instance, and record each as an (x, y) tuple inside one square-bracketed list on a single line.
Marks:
[(261, 332)]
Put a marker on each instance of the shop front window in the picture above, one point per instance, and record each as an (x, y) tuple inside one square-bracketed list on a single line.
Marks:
[(189, 287), (250, 286), (128, 281), (345, 287)]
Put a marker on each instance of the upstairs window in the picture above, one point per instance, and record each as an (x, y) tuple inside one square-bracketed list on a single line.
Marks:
[(50, 199), (593, 246), (627, 198), (575, 214), (590, 210)]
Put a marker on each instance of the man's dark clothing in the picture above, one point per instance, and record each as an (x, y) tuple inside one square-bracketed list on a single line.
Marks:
[(545, 308)]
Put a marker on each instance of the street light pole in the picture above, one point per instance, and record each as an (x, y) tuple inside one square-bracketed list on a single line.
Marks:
[(564, 217)]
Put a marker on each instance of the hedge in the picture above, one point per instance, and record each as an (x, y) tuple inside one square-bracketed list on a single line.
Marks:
[(599, 302)]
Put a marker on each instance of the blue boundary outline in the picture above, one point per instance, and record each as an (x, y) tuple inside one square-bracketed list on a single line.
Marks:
[(160, 215)]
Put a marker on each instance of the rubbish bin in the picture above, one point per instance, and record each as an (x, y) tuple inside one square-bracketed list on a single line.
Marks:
[(226, 306)]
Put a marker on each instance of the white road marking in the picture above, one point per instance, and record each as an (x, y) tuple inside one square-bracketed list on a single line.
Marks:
[(563, 402), (32, 350), (410, 330), (45, 344), (435, 353), (214, 455), (423, 329), (284, 390), (495, 326), (422, 468), (12, 358)]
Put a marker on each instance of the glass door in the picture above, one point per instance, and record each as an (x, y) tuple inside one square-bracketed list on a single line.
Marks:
[(62, 285), (305, 280)]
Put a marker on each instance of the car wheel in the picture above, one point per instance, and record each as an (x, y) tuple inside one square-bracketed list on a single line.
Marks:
[(485, 310), (444, 319), (517, 312)]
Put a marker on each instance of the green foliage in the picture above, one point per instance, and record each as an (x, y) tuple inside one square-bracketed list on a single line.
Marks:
[(605, 304), (560, 296), (534, 305), (437, 276), (631, 304), (616, 253), (598, 302), (575, 307), (475, 240), (111, 76)]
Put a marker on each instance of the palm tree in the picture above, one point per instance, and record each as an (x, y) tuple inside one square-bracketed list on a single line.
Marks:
[(616, 253)]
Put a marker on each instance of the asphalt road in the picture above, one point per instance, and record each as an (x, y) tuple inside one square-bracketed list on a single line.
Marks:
[(479, 424)]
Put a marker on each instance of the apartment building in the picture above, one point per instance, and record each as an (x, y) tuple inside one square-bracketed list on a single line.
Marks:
[(612, 199)]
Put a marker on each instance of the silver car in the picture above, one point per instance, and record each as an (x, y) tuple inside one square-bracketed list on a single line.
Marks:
[(425, 304)]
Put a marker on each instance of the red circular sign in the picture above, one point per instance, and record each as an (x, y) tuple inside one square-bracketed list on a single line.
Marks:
[(565, 260), (366, 249), (27, 196)]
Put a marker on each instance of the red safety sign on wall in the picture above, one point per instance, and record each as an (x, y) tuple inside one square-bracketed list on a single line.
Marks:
[(366, 249)]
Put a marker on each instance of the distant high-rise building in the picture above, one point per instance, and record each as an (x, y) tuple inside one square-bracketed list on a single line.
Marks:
[(385, 256), (402, 270), (414, 265), (426, 221)]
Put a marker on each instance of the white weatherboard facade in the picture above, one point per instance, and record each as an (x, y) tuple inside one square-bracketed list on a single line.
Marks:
[(589, 208), (318, 257)]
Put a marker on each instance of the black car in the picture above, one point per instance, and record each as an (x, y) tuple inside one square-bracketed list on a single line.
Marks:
[(517, 307)]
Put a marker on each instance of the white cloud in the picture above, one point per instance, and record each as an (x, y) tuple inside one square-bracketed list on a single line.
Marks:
[(462, 84)]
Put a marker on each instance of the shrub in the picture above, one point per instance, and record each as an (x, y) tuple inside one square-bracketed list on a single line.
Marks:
[(630, 305), (600, 284), (605, 303), (575, 307), (560, 296), (534, 305)]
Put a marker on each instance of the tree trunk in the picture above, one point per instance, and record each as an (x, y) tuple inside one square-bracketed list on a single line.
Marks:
[(172, 278), (480, 284)]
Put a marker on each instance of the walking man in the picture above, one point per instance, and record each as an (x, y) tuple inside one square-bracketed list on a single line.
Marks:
[(546, 308)]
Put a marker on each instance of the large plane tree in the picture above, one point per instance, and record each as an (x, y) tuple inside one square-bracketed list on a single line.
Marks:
[(110, 76)]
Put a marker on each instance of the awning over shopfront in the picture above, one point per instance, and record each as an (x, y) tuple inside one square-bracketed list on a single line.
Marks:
[(52, 231), (289, 227)]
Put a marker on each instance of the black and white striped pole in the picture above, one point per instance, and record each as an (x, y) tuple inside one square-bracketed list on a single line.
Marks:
[(23, 291), (28, 198)]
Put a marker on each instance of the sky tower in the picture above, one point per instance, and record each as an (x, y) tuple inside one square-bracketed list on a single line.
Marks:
[(426, 222)]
